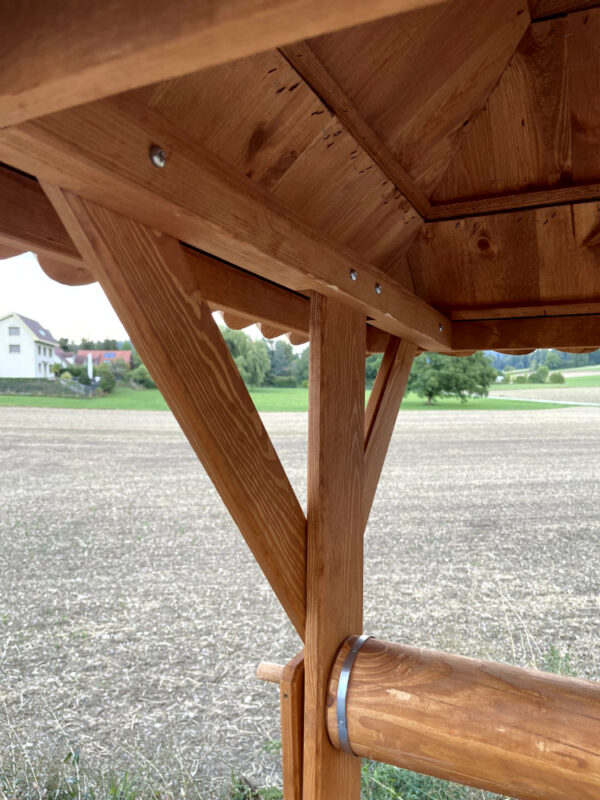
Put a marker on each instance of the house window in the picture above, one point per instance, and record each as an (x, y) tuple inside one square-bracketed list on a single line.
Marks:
[(14, 331), (14, 348), (39, 350)]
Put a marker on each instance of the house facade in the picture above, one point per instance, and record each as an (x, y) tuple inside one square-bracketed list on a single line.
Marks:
[(26, 348)]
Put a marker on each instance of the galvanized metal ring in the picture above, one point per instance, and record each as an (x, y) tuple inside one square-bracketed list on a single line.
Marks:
[(342, 693)]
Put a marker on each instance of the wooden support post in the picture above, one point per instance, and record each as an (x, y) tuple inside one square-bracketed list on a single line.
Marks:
[(525, 734), (382, 411), (335, 530), (291, 692), (149, 282)]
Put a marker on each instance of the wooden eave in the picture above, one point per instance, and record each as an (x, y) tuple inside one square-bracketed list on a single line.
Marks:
[(380, 147)]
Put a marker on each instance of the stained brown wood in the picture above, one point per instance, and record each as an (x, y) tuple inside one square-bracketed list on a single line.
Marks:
[(158, 298), (305, 62), (382, 410), (260, 116), (291, 693), (561, 333), (534, 257), (417, 81), (549, 8), (539, 128), (84, 51), (513, 202), (200, 200), (28, 221), (511, 312), (335, 530), (525, 734)]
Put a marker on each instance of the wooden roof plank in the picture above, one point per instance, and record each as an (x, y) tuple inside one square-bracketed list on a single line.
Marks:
[(85, 51), (150, 284), (101, 152), (560, 333), (306, 63)]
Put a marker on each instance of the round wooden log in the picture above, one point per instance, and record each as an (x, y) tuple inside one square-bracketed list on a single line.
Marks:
[(521, 733)]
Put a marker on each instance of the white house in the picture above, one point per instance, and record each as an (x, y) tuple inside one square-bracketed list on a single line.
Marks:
[(26, 348)]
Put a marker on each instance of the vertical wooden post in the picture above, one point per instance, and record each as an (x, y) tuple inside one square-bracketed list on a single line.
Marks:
[(335, 530), (291, 694)]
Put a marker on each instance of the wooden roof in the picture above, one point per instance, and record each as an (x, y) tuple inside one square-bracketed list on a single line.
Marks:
[(435, 164)]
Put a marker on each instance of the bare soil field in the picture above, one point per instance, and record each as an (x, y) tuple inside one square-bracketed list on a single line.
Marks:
[(561, 394), (132, 615)]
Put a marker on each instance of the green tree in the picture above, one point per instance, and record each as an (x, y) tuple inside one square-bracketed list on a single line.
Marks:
[(107, 379), (281, 357), (250, 356), (142, 377), (301, 368), (434, 375), (372, 365), (119, 369)]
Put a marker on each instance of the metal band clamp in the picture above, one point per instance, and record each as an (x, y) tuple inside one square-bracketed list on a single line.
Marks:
[(342, 693)]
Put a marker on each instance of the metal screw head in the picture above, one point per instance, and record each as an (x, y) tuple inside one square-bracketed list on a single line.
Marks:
[(441, 327), (353, 275), (377, 288), (158, 156)]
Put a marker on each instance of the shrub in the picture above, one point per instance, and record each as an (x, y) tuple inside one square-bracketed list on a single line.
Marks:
[(556, 377), (107, 380), (142, 377), (66, 375), (283, 381), (520, 379), (540, 374)]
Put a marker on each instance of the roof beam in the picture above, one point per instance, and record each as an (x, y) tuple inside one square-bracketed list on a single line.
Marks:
[(55, 58), (28, 222), (560, 333), (479, 206), (100, 151), (306, 63), (157, 297)]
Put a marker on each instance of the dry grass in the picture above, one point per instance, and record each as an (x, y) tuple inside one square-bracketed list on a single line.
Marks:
[(132, 615)]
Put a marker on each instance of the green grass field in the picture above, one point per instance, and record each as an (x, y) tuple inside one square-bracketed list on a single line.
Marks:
[(265, 399)]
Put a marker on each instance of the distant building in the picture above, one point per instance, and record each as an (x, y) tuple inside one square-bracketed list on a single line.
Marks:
[(63, 357), (26, 348), (103, 356)]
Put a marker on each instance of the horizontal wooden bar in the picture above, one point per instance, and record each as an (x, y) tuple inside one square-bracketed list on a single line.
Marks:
[(543, 310), (54, 57), (476, 206), (524, 734), (100, 151), (517, 334)]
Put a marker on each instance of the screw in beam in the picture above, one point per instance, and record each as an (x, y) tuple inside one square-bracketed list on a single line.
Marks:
[(441, 327), (353, 275), (158, 156), (377, 288)]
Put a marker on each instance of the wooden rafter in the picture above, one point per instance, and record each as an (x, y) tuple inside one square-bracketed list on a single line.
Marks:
[(538, 198), (382, 411), (306, 63), (158, 298), (29, 222), (560, 333), (108, 47), (335, 530), (202, 201)]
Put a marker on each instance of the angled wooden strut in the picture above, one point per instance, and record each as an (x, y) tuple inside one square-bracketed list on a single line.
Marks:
[(155, 293), (335, 530), (382, 410)]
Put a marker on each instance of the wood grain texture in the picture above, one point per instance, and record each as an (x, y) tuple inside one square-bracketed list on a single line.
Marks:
[(382, 410), (527, 258), (304, 60), (538, 198), (539, 129), (550, 8), (560, 333), (54, 58), (158, 298), (525, 734), (512, 312), (100, 151), (260, 116), (417, 80), (291, 693), (335, 530)]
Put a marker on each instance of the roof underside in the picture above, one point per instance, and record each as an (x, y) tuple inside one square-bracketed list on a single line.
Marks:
[(453, 149)]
